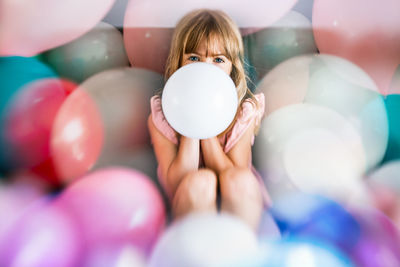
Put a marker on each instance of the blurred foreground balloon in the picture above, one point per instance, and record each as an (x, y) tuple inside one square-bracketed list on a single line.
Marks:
[(367, 36), (29, 120), (31, 27), (17, 75), (312, 149), (115, 206), (291, 252), (104, 120), (335, 83), (100, 49), (288, 37), (204, 240), (108, 255), (148, 25), (43, 236), (16, 196), (77, 136), (206, 107), (379, 243), (317, 218)]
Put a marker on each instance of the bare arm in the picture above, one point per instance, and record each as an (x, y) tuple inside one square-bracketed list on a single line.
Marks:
[(175, 161), (239, 156)]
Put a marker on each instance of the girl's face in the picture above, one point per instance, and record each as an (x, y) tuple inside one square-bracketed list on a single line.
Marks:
[(212, 55)]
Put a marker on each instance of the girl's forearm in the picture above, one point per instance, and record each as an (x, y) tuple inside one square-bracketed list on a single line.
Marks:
[(214, 156), (186, 160)]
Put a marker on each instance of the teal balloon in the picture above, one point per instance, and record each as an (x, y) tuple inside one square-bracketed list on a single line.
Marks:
[(392, 103), (15, 73)]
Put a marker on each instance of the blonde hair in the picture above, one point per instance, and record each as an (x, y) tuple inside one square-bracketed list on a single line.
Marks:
[(211, 26)]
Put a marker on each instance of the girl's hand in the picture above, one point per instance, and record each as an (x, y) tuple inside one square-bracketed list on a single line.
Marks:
[(214, 156)]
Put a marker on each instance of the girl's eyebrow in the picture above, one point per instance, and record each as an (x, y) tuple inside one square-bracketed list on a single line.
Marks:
[(214, 55)]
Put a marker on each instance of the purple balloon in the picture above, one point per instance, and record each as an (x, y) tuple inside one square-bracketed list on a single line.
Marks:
[(379, 244), (43, 236)]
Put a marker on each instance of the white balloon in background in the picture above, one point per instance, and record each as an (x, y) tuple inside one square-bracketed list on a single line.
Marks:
[(309, 148), (199, 100), (205, 239)]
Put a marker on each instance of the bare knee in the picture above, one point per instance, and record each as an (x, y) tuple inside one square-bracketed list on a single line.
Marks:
[(197, 189), (240, 184)]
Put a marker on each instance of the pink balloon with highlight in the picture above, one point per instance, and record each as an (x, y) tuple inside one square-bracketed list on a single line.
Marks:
[(77, 136), (29, 27), (116, 206), (365, 32), (148, 25)]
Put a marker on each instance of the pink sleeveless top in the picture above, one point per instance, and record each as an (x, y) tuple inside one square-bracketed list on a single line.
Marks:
[(248, 113)]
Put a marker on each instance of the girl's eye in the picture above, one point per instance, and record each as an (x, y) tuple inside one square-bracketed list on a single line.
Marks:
[(194, 58), (219, 60)]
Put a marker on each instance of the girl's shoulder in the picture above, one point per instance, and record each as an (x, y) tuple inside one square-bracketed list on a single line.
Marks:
[(252, 110), (159, 120)]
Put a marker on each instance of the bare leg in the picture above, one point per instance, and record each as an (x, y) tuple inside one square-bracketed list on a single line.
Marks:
[(241, 195), (197, 192)]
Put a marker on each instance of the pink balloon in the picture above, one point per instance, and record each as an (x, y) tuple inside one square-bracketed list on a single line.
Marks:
[(365, 32), (77, 136), (30, 118), (148, 25), (29, 27), (43, 236), (116, 205)]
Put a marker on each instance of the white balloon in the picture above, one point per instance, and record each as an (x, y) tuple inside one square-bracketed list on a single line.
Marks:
[(205, 239), (199, 100)]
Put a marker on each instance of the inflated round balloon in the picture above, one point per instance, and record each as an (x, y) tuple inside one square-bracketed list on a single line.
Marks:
[(25, 33), (368, 37), (199, 100), (288, 37), (310, 148), (77, 136), (29, 119), (16, 73), (205, 239), (316, 217), (291, 252), (335, 83), (106, 255), (116, 206), (392, 104), (148, 25), (113, 125), (43, 236), (100, 49), (15, 197), (379, 242), (123, 100)]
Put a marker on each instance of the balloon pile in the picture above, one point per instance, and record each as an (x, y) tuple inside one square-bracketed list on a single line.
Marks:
[(78, 174)]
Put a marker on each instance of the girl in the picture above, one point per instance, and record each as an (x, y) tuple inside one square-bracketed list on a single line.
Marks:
[(194, 172)]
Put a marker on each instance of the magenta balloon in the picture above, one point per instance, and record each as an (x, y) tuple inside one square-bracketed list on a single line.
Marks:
[(116, 205), (43, 236), (29, 27), (365, 32)]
